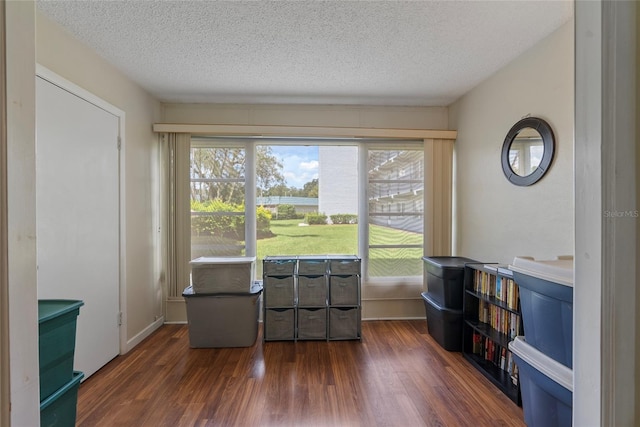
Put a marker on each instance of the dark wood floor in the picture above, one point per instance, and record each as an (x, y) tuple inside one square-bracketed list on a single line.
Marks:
[(396, 376)]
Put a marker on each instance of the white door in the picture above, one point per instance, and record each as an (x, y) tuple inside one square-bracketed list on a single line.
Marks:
[(77, 213)]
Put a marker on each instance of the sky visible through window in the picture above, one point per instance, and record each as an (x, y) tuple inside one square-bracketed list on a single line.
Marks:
[(300, 163)]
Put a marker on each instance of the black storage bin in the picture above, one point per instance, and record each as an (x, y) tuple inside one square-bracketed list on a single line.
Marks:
[(444, 324), (444, 279)]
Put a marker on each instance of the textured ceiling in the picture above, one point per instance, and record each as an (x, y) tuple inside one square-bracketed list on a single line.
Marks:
[(330, 52)]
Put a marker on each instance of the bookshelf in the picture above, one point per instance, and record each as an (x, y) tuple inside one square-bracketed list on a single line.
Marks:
[(491, 319)]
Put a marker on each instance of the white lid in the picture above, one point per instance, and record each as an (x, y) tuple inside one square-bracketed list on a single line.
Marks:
[(553, 369), (559, 270), (223, 260)]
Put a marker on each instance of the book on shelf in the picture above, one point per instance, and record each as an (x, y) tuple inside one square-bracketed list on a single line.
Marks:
[(477, 343), (514, 325), (494, 353), (484, 311), (499, 285), (492, 267), (505, 322), (514, 372)]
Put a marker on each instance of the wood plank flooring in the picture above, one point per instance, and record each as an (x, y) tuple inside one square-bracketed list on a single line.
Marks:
[(396, 376)]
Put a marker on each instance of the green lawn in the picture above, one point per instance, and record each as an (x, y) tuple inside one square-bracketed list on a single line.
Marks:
[(292, 239)]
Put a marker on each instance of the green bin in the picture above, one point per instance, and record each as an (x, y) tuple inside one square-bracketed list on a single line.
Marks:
[(57, 342), (60, 408)]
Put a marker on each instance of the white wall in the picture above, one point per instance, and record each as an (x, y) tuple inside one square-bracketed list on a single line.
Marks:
[(308, 115), (496, 220), (58, 51)]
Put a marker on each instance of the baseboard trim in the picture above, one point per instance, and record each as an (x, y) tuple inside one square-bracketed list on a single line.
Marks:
[(144, 334)]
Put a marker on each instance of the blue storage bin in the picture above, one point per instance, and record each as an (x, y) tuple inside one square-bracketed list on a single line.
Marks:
[(546, 299), (546, 387)]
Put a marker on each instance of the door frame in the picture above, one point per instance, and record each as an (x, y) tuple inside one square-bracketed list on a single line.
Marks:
[(76, 90), (605, 382)]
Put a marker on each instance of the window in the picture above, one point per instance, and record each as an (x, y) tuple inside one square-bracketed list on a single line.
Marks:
[(395, 188), (309, 198), (313, 201), (217, 185)]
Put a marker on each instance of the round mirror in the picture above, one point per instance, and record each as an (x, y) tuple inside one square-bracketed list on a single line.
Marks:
[(527, 151)]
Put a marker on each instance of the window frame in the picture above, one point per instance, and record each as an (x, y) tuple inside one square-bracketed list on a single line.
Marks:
[(363, 216), (249, 144), (439, 233), (249, 182)]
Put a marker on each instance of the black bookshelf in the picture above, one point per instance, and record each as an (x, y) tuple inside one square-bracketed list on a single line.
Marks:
[(491, 318)]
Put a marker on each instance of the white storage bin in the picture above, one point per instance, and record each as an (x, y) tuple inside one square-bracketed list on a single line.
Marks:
[(222, 274)]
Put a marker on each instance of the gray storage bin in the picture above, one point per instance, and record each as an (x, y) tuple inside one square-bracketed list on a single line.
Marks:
[(279, 324), (312, 323), (311, 266), (343, 323), (312, 291), (279, 291), (344, 266), (343, 290), (279, 266), (223, 320)]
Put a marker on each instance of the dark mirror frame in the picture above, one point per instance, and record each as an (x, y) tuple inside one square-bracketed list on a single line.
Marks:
[(548, 142)]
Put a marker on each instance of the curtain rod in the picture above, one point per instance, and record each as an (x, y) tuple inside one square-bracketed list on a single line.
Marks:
[(300, 140), (303, 131)]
